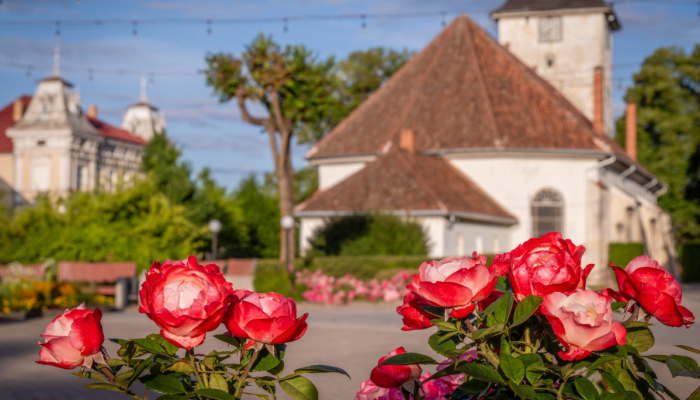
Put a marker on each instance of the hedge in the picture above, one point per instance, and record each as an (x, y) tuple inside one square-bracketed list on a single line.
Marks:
[(690, 260), (621, 254), (271, 276)]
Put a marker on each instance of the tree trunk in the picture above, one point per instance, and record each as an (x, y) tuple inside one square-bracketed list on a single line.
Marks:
[(285, 180)]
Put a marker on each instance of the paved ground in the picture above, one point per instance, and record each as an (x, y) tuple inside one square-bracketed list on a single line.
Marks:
[(352, 338)]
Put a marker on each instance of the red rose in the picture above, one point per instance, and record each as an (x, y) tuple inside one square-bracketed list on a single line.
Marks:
[(72, 339), (414, 317), (394, 376), (455, 283), (547, 265), (186, 300), (267, 318), (656, 291), (501, 264), (583, 322)]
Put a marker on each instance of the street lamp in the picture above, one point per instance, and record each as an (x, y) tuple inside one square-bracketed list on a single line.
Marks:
[(214, 228), (287, 223)]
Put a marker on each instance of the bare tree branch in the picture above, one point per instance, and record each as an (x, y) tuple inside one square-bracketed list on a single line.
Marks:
[(240, 95)]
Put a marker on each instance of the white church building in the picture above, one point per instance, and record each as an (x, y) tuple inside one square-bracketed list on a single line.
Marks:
[(49, 145), (487, 143)]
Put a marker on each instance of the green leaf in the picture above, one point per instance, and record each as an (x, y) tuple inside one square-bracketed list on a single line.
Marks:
[(602, 360), (504, 306), (640, 338), (229, 340), (320, 369), (265, 362), (512, 368), (618, 304), (502, 284), (409, 359), (678, 367), (181, 366), (173, 397), (691, 349), (627, 381), (118, 341), (612, 382), (686, 362), (127, 350), (150, 345), (165, 384), (533, 366), (440, 342), (586, 389), (526, 307), (267, 384), (669, 393), (481, 372), (495, 328), (695, 395), (169, 347), (472, 387), (446, 326), (113, 362), (126, 379), (90, 375), (217, 381), (635, 324), (544, 396), (522, 391), (215, 394), (103, 386), (300, 388)]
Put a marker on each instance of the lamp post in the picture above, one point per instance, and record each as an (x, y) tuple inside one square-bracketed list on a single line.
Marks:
[(214, 228), (287, 223)]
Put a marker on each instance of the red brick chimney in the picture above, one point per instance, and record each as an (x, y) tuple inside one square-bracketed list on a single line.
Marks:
[(17, 110), (92, 111), (407, 140), (598, 100), (631, 129)]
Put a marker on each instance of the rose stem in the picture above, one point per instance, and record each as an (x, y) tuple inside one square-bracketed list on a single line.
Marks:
[(196, 370), (239, 388), (527, 339)]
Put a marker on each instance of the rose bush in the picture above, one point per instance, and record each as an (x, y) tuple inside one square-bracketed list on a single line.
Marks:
[(455, 283), (656, 291), (583, 323), (546, 265), (414, 316), (72, 339), (268, 318), (186, 300)]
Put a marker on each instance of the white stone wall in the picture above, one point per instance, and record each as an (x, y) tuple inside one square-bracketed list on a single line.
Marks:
[(586, 43), (463, 238)]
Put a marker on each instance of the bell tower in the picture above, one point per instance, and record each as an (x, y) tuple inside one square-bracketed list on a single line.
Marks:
[(568, 43)]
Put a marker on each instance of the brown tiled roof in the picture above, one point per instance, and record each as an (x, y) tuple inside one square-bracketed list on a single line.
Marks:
[(544, 5), (7, 121), (403, 181), (464, 91)]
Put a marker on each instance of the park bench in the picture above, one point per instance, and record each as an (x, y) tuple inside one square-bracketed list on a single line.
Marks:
[(239, 271), (106, 278)]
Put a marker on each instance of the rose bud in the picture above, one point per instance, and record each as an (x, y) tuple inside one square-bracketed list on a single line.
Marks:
[(265, 318), (547, 265), (656, 291), (583, 322), (501, 264), (455, 283), (186, 300), (395, 376), (414, 317), (72, 339)]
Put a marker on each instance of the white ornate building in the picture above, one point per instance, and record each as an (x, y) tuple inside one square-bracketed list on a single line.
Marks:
[(469, 139), (49, 145)]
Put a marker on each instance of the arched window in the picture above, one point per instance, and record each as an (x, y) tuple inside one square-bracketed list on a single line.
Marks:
[(547, 212)]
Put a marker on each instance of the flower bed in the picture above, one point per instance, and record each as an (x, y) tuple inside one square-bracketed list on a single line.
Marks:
[(30, 296), (320, 288)]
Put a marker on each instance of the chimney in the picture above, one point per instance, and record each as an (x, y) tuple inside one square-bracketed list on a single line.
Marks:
[(598, 100), (17, 110), (631, 129), (92, 111), (407, 140)]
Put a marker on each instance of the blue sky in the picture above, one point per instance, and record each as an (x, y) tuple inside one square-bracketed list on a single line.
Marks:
[(212, 134)]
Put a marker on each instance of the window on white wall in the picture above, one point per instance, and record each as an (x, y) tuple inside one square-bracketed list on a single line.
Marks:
[(41, 175), (547, 212), (495, 245), (460, 245), (478, 244)]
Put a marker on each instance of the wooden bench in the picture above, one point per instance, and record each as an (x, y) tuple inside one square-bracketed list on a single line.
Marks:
[(239, 271), (105, 275)]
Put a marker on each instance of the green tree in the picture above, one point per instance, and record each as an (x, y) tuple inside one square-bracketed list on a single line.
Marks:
[(363, 72), (297, 91), (261, 216), (172, 177), (667, 93)]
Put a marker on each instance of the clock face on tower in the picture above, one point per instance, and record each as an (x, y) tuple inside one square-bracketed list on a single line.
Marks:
[(550, 29)]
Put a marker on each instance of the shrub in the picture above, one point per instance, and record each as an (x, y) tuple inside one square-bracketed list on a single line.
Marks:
[(690, 260), (621, 254), (369, 234)]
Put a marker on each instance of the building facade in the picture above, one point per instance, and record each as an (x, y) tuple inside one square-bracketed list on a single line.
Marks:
[(49, 145), (474, 144)]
